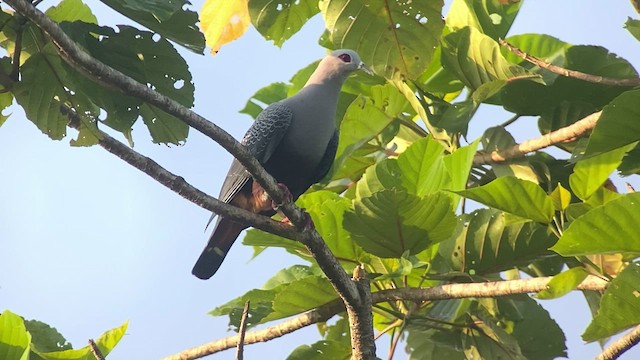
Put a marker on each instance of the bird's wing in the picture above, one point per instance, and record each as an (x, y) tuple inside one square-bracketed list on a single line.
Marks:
[(261, 140), (327, 158)]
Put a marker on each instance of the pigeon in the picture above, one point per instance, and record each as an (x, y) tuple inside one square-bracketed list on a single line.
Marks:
[(295, 140)]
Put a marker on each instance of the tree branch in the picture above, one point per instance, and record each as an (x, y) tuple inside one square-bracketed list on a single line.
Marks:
[(103, 74), (621, 345), (568, 133), (597, 79), (242, 331), (178, 185), (442, 292)]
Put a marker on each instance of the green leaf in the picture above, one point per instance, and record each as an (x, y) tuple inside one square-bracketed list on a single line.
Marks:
[(384, 105), (327, 210), (390, 222), (530, 98), (301, 295), (137, 54), (498, 138), (610, 228), (519, 197), (529, 318), (264, 97), (405, 34), (167, 18), (37, 90), (617, 125), (493, 18), (487, 340), (422, 167), (106, 342), (279, 20), (6, 99), (71, 10), (589, 174), (633, 26), (384, 175), (485, 243), (620, 307), (476, 58), (564, 114), (14, 339), (45, 338), (261, 240), (563, 283), (542, 46), (458, 165), (164, 128), (427, 344), (262, 300), (561, 198), (322, 350)]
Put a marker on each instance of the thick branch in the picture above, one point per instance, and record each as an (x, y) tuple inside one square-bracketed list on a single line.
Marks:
[(621, 345), (570, 73), (569, 133), (104, 74), (442, 292), (181, 186)]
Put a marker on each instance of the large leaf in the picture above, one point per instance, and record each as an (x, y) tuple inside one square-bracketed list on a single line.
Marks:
[(282, 295), (491, 17), (138, 55), (519, 197), (168, 18), (620, 307), (40, 92), (391, 222), (531, 98), (322, 350), (488, 340), (279, 20), (546, 47), (405, 33), (379, 110), (529, 318), (589, 174), (563, 283), (223, 21), (301, 295), (617, 125), (105, 342), (610, 228), (476, 58), (71, 10), (327, 210), (384, 175), (422, 167), (427, 344), (14, 339), (45, 338), (485, 243)]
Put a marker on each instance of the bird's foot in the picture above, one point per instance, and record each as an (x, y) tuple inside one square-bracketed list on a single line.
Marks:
[(287, 197), (308, 221)]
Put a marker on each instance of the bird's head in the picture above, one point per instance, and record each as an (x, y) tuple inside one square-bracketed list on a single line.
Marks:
[(348, 61)]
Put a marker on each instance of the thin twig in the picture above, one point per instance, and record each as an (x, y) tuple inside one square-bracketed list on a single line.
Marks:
[(621, 345), (394, 324), (597, 79), (242, 331), (510, 121), (568, 133), (95, 351), (103, 74), (442, 292)]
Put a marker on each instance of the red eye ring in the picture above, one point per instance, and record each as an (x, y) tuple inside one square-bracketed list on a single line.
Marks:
[(345, 58)]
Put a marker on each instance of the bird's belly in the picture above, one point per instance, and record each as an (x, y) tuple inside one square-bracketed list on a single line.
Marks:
[(293, 169)]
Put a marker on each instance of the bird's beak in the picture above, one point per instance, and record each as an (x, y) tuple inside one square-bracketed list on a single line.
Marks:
[(365, 68)]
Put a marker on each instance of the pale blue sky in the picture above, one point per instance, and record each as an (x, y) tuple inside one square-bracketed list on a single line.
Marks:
[(88, 242)]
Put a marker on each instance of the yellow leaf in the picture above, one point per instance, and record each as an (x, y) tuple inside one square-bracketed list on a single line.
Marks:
[(223, 21)]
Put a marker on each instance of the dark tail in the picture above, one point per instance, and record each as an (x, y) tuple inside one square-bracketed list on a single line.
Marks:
[(223, 236)]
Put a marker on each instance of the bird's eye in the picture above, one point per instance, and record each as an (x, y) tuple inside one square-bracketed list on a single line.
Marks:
[(345, 58)]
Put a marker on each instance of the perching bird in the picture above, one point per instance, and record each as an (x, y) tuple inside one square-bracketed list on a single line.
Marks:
[(295, 139)]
